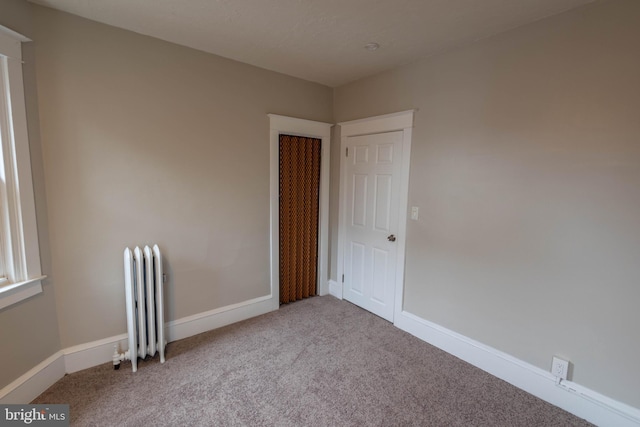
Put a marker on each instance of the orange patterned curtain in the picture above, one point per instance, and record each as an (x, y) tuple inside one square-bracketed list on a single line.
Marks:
[(299, 202)]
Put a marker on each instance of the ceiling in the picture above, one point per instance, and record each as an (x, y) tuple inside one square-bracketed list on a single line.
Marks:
[(318, 40)]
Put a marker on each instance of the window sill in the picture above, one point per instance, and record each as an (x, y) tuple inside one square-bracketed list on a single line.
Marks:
[(16, 292)]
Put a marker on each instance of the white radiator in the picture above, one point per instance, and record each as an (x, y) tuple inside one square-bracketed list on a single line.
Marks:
[(143, 280)]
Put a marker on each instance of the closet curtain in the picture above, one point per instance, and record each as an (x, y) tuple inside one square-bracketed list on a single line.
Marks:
[(299, 213)]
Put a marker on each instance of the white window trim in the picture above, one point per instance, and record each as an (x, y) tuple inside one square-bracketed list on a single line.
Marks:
[(17, 206)]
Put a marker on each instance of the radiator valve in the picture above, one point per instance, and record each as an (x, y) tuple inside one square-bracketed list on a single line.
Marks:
[(117, 357)]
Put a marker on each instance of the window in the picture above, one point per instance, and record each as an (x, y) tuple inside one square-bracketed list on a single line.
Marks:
[(20, 273)]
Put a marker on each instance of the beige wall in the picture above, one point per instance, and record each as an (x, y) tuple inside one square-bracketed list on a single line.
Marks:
[(29, 330), (149, 142), (526, 168)]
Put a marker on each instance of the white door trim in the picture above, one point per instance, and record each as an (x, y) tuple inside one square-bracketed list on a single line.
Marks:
[(300, 127), (402, 121)]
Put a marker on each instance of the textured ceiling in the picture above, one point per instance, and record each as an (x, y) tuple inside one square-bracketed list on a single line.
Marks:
[(317, 40)]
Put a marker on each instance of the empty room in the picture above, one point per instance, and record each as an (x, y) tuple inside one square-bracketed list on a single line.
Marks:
[(357, 212)]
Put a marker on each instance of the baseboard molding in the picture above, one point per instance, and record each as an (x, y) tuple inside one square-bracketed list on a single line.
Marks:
[(83, 356), (91, 354), (580, 401), (217, 318), (335, 289), (36, 380)]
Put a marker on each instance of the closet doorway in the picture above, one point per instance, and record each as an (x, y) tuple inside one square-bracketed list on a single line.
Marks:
[(299, 188), (299, 214)]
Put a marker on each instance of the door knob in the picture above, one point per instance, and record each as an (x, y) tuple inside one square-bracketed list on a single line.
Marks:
[(391, 238)]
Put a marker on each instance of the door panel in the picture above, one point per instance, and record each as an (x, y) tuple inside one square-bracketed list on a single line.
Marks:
[(373, 173), (359, 209), (380, 268), (382, 203), (357, 267)]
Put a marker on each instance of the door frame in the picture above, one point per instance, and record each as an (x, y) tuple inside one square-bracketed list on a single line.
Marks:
[(311, 129), (401, 121)]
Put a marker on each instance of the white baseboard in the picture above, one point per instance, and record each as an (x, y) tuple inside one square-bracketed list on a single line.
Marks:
[(578, 400), (83, 356), (36, 380), (213, 319), (335, 289), (91, 354)]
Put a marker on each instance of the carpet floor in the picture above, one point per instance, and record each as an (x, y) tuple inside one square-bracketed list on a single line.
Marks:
[(316, 362)]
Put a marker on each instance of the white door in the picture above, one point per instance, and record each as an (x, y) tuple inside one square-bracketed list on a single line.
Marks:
[(373, 171)]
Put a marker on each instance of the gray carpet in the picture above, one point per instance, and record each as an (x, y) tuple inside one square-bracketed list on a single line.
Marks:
[(317, 362)]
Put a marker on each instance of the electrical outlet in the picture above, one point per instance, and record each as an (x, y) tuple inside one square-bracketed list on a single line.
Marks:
[(560, 368)]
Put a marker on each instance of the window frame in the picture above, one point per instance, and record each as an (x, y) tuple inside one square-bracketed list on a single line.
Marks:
[(19, 247)]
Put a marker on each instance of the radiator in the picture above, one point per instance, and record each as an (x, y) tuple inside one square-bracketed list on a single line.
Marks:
[(143, 280)]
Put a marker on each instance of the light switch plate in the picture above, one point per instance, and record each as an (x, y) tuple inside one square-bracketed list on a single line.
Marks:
[(414, 213)]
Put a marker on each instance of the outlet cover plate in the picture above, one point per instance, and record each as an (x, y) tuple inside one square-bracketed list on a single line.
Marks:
[(560, 367)]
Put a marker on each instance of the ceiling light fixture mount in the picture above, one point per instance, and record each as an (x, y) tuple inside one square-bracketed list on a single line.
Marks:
[(372, 46)]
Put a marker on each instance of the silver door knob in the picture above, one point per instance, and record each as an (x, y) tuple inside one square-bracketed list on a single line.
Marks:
[(391, 238)]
